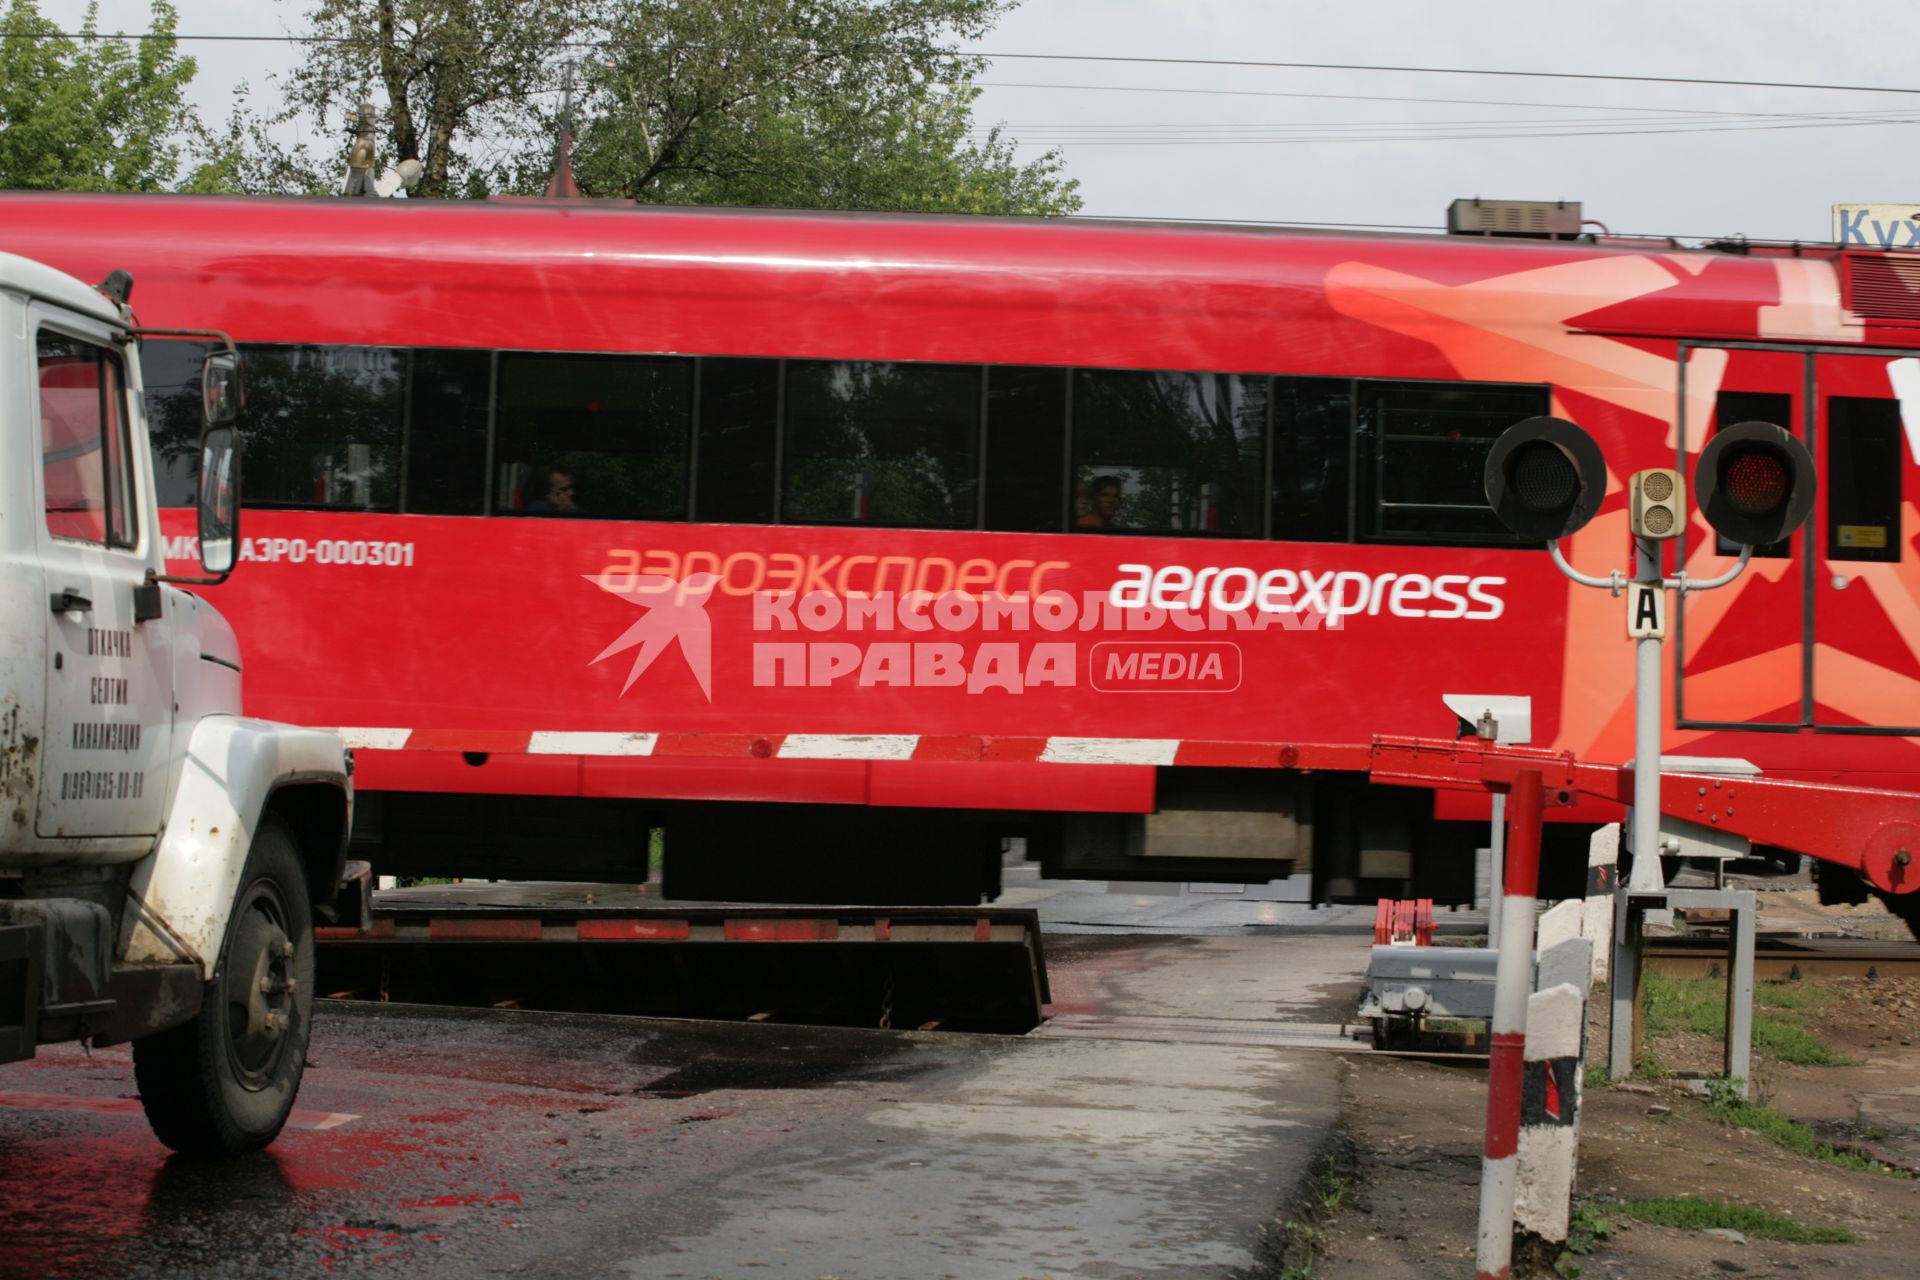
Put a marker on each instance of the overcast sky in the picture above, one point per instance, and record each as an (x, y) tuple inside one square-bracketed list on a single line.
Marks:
[(1230, 145)]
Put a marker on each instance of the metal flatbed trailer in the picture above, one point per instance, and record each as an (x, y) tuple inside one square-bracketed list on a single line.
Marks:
[(618, 949)]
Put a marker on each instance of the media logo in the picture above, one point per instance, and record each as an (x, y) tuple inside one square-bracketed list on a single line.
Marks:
[(1140, 666)]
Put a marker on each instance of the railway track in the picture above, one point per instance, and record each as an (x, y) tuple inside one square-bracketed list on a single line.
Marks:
[(1787, 956)]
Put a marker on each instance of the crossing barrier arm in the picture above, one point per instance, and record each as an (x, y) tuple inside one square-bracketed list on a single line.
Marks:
[(1875, 833)]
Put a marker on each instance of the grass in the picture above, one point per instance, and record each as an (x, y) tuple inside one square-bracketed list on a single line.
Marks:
[(1780, 1013), (1692, 1213), (1725, 1104), (1585, 1231), (1302, 1238)]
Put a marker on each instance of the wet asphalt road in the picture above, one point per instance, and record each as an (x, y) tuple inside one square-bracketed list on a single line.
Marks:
[(443, 1143), (449, 1143)]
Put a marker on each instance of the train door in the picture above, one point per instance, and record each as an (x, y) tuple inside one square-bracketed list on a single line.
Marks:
[(1743, 650), (1863, 623)]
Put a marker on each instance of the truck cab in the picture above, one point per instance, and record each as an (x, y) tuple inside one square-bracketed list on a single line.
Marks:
[(161, 855)]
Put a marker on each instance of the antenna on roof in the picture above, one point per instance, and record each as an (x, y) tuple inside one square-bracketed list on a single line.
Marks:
[(561, 185), (360, 161)]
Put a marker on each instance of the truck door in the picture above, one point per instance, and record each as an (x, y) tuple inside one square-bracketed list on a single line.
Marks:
[(1743, 658), (109, 676)]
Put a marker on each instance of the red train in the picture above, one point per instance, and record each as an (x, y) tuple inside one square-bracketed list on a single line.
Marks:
[(841, 547)]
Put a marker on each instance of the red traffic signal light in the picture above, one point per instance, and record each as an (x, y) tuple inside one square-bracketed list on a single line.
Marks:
[(1754, 483), (1545, 478)]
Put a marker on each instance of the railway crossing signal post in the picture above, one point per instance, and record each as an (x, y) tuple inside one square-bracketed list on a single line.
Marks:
[(1545, 479)]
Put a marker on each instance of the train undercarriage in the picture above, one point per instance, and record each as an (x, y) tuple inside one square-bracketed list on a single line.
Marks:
[(1354, 841)]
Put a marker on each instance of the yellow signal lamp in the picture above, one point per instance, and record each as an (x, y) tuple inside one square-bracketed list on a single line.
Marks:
[(1656, 503)]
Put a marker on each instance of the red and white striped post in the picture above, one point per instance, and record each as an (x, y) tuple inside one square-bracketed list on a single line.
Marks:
[(1512, 984)]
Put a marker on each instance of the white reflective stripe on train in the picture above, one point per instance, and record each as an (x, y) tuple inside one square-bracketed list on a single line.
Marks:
[(795, 746), (553, 743), (1110, 750), (834, 746), (374, 739)]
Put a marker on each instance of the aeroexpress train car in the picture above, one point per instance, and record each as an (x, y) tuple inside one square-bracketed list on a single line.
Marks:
[(842, 547)]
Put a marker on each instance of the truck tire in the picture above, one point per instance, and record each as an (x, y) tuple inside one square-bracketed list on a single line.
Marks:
[(224, 1083)]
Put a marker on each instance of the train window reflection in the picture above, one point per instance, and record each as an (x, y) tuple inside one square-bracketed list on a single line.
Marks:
[(1426, 445), (593, 436), (322, 426), (871, 442), (1863, 479), (1026, 444), (1312, 468), (1169, 452)]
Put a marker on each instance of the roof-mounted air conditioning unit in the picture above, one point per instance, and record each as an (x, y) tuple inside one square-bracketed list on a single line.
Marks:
[(1537, 219)]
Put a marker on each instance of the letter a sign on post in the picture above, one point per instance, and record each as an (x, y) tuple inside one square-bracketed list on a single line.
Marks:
[(1646, 611)]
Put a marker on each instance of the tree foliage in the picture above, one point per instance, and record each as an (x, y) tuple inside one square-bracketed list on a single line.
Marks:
[(457, 81), (850, 104), (799, 103), (91, 114), (802, 103)]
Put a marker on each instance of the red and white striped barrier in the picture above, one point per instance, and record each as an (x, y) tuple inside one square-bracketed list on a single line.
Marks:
[(1512, 984)]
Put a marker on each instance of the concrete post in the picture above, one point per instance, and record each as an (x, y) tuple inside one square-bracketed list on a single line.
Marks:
[(1625, 989), (1603, 873), (1550, 1110), (1739, 1059)]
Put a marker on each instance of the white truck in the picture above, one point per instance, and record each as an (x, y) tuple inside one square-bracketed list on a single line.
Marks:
[(161, 856)]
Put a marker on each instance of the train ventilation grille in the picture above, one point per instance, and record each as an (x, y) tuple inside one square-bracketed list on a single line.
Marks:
[(1884, 287)]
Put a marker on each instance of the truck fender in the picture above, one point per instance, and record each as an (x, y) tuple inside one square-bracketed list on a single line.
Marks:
[(180, 896)]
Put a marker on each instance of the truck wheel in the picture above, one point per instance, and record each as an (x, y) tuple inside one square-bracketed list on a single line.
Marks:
[(224, 1083)]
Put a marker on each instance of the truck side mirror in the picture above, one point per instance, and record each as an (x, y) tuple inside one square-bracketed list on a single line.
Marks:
[(221, 388), (219, 499)]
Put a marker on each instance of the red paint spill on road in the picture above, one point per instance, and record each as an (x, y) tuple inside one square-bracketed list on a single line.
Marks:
[(23, 1101)]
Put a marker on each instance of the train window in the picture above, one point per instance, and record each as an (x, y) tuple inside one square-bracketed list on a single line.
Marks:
[(1776, 407), (882, 443), (322, 426), (1424, 447), (739, 418), (447, 395), (1169, 452), (1312, 462), (170, 376), (1863, 479), (592, 436), (1026, 449)]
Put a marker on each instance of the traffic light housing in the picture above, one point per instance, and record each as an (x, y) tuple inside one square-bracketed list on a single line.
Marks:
[(1754, 483), (1656, 504), (1545, 478)]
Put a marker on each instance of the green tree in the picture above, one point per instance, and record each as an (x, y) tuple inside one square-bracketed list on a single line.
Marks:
[(456, 80), (852, 104), (92, 113), (245, 158), (800, 103)]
